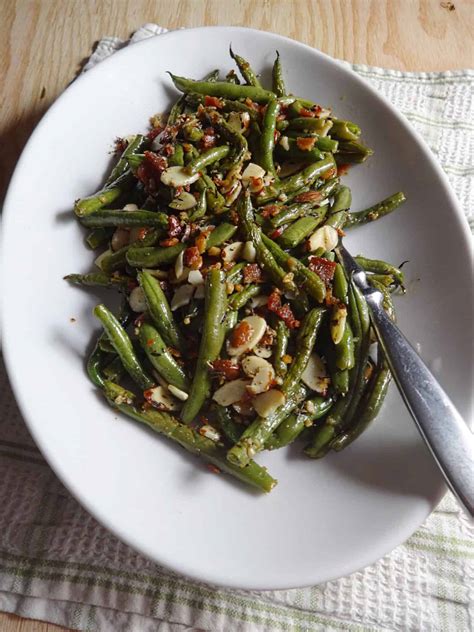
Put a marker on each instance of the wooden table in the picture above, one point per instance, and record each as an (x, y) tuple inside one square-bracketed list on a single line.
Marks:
[(44, 43)]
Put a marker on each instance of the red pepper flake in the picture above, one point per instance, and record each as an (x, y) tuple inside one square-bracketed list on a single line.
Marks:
[(167, 243), (307, 113), (213, 102), (149, 342), (342, 170), (174, 227), (252, 273), (323, 268), (276, 233), (305, 143), (212, 468), (309, 196), (192, 258), (282, 311), (241, 334), (270, 210), (226, 369)]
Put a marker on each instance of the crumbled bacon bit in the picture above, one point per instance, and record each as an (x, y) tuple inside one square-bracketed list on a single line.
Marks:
[(329, 299), (192, 258), (226, 369), (267, 338), (174, 227), (152, 134), (120, 145), (305, 143), (276, 233), (157, 164), (342, 170), (308, 196), (241, 334), (307, 113), (270, 210), (323, 268), (213, 102), (209, 138), (212, 468), (251, 104), (167, 243), (330, 173), (252, 273), (282, 311)]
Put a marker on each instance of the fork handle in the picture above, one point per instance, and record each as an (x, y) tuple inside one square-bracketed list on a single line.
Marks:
[(441, 426)]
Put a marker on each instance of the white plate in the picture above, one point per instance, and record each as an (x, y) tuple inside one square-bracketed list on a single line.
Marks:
[(326, 518)]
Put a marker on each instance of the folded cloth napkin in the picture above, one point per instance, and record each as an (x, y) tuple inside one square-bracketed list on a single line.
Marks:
[(57, 564)]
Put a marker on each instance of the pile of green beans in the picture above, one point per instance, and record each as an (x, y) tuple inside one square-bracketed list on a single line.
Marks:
[(240, 330)]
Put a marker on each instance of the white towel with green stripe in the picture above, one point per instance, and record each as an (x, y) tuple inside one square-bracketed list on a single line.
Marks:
[(58, 565)]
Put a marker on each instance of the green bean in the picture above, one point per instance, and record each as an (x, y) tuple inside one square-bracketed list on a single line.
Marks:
[(94, 363), (309, 280), (292, 212), (214, 199), (114, 370), (304, 347), (310, 124), (377, 211), (235, 273), (207, 158), (200, 209), (153, 257), (239, 299), (160, 357), (267, 139), (123, 346), (386, 280), (97, 237), (352, 151), (278, 83), (98, 279), (228, 105), (323, 143), (294, 424), (294, 152), (190, 439), (264, 257), (104, 197), (339, 209), (246, 70), (340, 381), (212, 76), (220, 235), (231, 430), (118, 217), (231, 77), (221, 89), (307, 176), (345, 349), (177, 157), (110, 261), (339, 285), (160, 311), (134, 146), (281, 344), (380, 267), (368, 408), (237, 142), (298, 231), (230, 321), (345, 130), (387, 297), (297, 108), (176, 111), (212, 338), (255, 436)]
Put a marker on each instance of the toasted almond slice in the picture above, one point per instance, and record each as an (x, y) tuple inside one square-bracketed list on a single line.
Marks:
[(252, 171), (233, 193), (120, 238), (248, 252), (262, 380), (315, 375), (252, 364), (232, 251), (178, 177), (258, 327), (195, 277), (160, 397), (258, 301), (179, 266), (263, 352), (338, 322), (178, 393), (210, 433), (239, 121), (137, 300), (182, 296), (266, 403), (183, 202), (284, 142), (325, 237), (130, 207), (231, 392)]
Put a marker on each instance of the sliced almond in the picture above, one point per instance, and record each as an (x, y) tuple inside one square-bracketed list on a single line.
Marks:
[(325, 128), (258, 301), (284, 143), (252, 364), (195, 277), (101, 257), (266, 403), (158, 396), (183, 202), (231, 392), (338, 322), (137, 300), (248, 252), (258, 327), (239, 121), (182, 296), (252, 171), (263, 352), (262, 379), (130, 207), (179, 265), (233, 193), (120, 238), (178, 393), (232, 251), (325, 237), (209, 432), (178, 177), (289, 168), (315, 375)]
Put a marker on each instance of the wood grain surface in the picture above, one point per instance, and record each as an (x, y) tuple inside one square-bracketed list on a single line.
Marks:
[(43, 44)]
